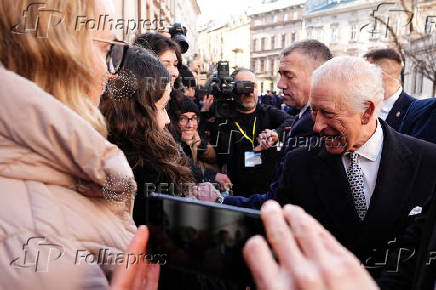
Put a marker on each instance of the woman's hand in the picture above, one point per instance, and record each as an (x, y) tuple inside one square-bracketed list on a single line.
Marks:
[(139, 274), (191, 138), (208, 101)]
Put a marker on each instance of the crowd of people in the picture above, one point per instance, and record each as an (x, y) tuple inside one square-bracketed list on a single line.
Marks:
[(340, 162)]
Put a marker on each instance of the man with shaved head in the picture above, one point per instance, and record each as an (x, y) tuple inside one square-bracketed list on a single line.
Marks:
[(396, 101)]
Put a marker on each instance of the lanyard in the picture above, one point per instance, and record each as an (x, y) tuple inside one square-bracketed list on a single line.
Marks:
[(245, 134)]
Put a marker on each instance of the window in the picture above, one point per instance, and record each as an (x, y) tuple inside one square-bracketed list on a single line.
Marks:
[(333, 34), (262, 65), (283, 40), (273, 40), (275, 19), (264, 20), (295, 15), (285, 17), (293, 37), (354, 32), (309, 32), (257, 22), (253, 64), (254, 44), (271, 65), (262, 43)]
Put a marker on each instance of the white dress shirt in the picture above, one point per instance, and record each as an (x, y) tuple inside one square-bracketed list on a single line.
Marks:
[(304, 109), (389, 103), (369, 156)]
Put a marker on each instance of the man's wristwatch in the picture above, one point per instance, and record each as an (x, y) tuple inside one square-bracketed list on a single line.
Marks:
[(219, 199)]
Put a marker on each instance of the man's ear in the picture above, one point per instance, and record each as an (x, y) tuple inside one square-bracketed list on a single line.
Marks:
[(368, 113)]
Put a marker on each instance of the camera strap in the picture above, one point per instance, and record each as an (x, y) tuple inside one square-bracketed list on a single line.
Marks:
[(245, 134)]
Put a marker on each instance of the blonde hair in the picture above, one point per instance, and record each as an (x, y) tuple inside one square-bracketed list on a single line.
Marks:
[(58, 62)]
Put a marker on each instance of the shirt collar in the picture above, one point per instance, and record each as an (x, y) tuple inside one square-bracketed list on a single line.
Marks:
[(389, 102), (373, 147), (303, 110)]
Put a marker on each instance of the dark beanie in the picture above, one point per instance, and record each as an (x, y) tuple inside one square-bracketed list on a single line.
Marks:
[(189, 106), (187, 77)]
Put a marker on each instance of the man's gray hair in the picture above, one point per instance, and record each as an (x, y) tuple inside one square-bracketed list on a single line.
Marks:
[(316, 51), (238, 70), (361, 81)]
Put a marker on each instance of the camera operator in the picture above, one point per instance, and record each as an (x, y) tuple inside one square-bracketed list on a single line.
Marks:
[(245, 141)]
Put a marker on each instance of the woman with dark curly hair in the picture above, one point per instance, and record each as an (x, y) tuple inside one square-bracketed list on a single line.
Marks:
[(169, 54), (135, 109)]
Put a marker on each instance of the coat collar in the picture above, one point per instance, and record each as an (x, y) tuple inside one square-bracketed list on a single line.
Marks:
[(392, 188)]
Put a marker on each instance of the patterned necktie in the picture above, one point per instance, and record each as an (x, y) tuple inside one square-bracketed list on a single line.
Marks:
[(355, 179)]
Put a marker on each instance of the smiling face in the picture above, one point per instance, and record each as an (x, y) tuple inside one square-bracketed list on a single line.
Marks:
[(248, 101), (161, 114), (169, 60), (342, 128), (295, 71), (188, 124)]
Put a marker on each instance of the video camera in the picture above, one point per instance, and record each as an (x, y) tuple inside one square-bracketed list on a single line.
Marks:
[(178, 34), (227, 92)]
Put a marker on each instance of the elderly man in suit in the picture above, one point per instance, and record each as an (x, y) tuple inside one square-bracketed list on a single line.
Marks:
[(396, 101), (367, 178)]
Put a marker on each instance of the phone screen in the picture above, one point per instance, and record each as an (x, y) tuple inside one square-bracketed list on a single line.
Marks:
[(201, 237)]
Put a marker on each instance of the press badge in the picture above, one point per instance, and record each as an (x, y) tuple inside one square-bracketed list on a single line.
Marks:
[(252, 158)]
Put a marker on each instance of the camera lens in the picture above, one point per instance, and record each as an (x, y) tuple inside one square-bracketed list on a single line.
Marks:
[(181, 40)]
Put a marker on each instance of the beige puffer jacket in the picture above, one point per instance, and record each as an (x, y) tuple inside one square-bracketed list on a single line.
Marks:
[(65, 192)]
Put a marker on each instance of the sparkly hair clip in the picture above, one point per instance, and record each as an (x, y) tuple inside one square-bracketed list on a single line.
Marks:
[(123, 86)]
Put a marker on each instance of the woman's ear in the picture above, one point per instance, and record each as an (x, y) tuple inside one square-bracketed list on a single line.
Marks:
[(368, 113)]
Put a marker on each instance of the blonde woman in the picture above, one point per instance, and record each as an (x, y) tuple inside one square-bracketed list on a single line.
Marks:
[(66, 192)]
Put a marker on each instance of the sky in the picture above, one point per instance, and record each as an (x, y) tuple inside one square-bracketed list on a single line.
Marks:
[(216, 9)]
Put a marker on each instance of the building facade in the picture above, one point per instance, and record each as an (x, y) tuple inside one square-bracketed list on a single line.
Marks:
[(274, 26), (226, 40), (142, 16)]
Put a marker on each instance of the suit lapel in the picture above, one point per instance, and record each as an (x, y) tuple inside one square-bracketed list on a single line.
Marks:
[(334, 192), (398, 110), (302, 126), (393, 184)]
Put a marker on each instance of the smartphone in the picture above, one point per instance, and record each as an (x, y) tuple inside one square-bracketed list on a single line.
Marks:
[(201, 237)]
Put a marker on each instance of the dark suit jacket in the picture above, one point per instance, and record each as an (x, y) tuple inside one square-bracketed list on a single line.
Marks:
[(316, 181), (414, 267), (398, 111), (420, 120), (302, 129)]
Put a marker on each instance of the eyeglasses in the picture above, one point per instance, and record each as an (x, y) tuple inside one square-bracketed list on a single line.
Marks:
[(115, 56), (184, 120)]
